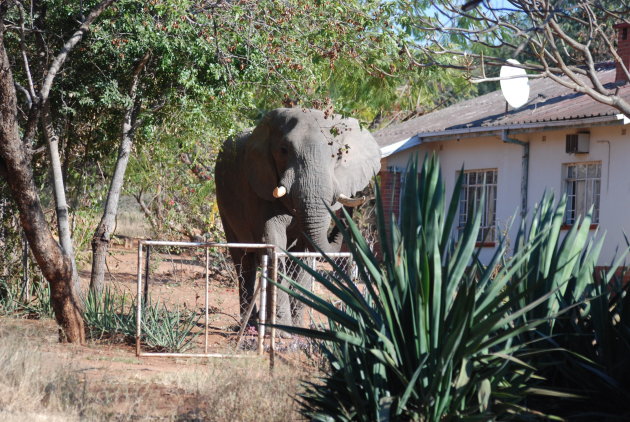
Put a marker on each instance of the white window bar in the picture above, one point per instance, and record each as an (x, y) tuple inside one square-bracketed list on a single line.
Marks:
[(582, 183), (475, 184)]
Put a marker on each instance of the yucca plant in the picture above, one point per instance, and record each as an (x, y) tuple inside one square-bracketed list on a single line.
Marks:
[(109, 315), (40, 306), (9, 297), (587, 319), (435, 336)]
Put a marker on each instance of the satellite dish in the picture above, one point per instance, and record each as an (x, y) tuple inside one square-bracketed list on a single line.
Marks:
[(516, 88)]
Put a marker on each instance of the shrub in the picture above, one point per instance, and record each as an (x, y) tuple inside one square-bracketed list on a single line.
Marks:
[(587, 320), (435, 336)]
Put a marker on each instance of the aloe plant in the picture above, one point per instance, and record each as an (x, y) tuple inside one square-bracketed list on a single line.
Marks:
[(169, 330), (111, 315), (435, 336)]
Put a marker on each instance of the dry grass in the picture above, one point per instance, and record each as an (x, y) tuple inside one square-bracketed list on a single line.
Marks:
[(42, 381), (33, 386), (237, 390)]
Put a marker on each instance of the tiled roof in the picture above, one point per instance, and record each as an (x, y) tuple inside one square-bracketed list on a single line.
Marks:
[(549, 102)]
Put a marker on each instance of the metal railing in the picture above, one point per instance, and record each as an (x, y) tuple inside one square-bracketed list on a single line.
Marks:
[(267, 291), (207, 246)]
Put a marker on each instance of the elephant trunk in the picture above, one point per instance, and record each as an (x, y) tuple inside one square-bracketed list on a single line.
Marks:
[(316, 226), (312, 195)]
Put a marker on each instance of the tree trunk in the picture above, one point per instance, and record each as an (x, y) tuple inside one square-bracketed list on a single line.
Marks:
[(15, 166), (63, 217), (103, 233)]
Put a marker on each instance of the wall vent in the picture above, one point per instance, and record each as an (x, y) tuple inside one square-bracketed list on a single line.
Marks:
[(577, 143)]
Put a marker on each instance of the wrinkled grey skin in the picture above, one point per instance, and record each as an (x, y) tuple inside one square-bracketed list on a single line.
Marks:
[(315, 158)]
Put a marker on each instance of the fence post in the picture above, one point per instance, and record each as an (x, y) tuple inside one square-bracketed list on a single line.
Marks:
[(207, 297), (262, 313), (146, 275), (272, 308), (139, 299)]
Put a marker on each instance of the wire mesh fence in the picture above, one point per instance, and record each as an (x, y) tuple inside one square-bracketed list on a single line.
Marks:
[(300, 315)]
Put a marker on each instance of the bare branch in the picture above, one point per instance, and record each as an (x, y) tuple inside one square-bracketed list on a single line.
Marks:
[(562, 41), (27, 68), (498, 78)]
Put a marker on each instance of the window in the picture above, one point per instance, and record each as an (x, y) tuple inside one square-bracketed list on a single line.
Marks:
[(476, 184), (581, 185)]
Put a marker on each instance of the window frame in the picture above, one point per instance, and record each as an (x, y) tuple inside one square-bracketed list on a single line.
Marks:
[(572, 210), (488, 230)]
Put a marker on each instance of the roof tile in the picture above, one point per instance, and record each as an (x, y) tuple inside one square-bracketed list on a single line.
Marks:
[(549, 101)]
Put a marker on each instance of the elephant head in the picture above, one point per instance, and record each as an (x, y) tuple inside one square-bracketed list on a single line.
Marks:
[(309, 161)]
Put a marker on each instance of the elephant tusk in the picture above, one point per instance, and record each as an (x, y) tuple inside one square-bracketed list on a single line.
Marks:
[(350, 202), (279, 192)]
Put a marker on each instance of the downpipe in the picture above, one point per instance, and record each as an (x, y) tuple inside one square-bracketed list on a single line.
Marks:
[(525, 168)]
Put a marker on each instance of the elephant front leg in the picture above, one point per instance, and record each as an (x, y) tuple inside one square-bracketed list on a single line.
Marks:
[(245, 264), (304, 279), (276, 234)]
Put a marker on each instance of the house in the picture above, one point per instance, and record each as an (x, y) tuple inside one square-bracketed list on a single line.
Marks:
[(560, 140)]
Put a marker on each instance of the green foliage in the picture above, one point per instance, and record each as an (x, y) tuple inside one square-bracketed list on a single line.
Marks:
[(113, 317), (437, 335), (214, 69), (169, 330), (587, 319), (15, 300), (432, 337), (109, 315)]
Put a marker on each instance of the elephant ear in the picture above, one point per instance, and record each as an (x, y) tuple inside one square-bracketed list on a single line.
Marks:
[(360, 159), (260, 168)]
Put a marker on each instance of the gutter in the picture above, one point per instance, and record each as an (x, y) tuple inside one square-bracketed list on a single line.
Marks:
[(525, 169), (396, 147), (451, 134), (623, 117)]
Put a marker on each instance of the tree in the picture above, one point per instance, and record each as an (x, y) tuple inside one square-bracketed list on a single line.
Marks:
[(163, 82), (552, 38), (15, 165)]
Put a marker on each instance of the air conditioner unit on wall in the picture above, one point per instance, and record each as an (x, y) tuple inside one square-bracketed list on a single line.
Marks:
[(577, 143)]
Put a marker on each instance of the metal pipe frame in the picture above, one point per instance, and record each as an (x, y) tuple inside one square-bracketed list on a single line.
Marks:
[(262, 315), (263, 287), (315, 254), (272, 306), (139, 301)]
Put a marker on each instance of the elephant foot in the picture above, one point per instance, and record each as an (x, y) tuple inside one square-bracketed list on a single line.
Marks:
[(284, 335), (298, 320), (284, 320)]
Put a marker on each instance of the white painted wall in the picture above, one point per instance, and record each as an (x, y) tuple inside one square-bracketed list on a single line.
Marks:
[(547, 155)]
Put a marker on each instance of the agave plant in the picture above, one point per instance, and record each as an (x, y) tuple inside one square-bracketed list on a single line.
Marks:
[(169, 330), (108, 315), (436, 335), (587, 319)]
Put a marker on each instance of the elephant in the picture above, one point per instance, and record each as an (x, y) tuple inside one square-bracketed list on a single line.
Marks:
[(276, 183)]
